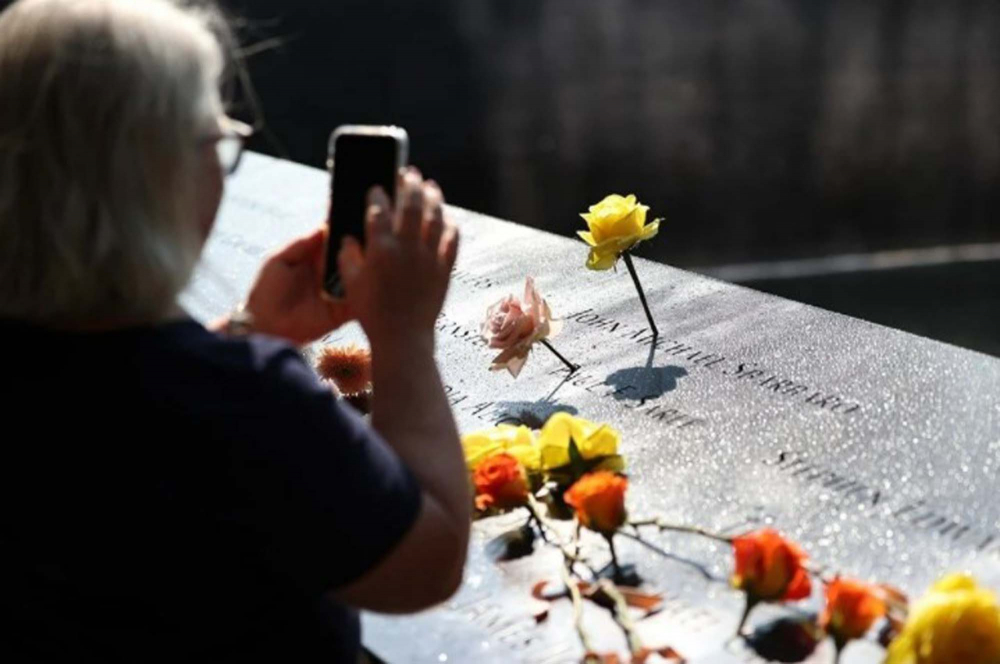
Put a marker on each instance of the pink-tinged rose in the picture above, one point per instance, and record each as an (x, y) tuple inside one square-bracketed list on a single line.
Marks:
[(507, 324), (513, 326)]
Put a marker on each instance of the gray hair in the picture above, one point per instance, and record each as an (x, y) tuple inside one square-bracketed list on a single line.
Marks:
[(102, 103)]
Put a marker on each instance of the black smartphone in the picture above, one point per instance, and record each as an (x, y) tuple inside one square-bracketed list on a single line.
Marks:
[(361, 157)]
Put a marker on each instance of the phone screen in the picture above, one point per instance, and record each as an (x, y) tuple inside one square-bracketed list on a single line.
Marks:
[(360, 162)]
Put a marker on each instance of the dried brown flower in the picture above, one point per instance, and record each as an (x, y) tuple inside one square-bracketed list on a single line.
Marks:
[(349, 367)]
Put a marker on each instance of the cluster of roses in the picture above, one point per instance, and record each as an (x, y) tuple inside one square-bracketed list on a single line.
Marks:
[(513, 326), (956, 621), (577, 462), (570, 459)]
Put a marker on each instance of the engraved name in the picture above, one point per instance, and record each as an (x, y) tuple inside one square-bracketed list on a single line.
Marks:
[(919, 514), (748, 373), (472, 280), (518, 633)]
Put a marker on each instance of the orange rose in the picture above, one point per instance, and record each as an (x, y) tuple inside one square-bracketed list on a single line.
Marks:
[(769, 567), (500, 482), (599, 501), (852, 607)]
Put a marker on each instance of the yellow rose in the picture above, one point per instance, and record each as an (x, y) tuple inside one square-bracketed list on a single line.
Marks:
[(955, 622), (593, 440), (518, 442), (616, 224)]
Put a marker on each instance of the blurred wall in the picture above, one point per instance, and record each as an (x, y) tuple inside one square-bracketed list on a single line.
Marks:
[(760, 129)]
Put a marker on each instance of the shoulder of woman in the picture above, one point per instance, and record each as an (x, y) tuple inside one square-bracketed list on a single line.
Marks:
[(257, 361)]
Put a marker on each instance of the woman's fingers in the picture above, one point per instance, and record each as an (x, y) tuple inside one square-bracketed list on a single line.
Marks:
[(433, 216), (449, 247), (411, 209), (320, 257), (337, 313), (378, 216), (418, 217), (349, 260)]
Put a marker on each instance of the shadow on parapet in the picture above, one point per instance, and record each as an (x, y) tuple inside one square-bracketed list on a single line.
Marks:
[(644, 383), (532, 414)]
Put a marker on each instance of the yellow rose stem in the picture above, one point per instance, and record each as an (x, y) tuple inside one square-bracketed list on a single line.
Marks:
[(571, 557), (620, 611), (642, 296), (622, 616), (577, 599), (576, 538), (553, 539), (572, 367)]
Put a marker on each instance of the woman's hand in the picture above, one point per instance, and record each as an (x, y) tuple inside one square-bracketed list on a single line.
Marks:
[(396, 285), (287, 299)]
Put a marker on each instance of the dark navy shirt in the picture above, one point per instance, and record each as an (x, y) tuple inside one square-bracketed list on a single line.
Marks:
[(173, 495)]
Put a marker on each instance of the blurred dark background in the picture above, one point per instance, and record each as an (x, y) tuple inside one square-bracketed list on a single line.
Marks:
[(844, 153), (788, 127)]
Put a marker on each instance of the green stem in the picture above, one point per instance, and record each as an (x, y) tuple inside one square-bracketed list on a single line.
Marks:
[(572, 367), (751, 603), (678, 528), (542, 522), (614, 555), (642, 295), (838, 644), (818, 572), (670, 556), (532, 510)]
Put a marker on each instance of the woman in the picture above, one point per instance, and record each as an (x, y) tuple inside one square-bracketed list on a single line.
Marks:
[(174, 493)]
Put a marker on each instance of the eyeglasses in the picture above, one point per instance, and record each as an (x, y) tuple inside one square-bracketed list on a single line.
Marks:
[(229, 143)]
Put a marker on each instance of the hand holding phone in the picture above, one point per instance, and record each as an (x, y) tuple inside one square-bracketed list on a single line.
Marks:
[(360, 157), (286, 301), (396, 285)]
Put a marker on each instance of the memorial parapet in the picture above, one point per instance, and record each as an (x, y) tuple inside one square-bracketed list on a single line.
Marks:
[(876, 450)]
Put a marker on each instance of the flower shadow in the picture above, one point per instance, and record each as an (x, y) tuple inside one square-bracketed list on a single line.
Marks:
[(786, 639), (532, 414), (644, 383)]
